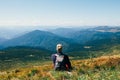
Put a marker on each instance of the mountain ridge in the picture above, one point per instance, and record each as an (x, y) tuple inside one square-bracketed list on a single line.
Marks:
[(39, 38), (76, 41)]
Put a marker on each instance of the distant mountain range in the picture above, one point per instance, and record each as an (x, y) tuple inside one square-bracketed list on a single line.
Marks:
[(66, 31), (42, 39), (73, 39), (82, 36), (3, 40)]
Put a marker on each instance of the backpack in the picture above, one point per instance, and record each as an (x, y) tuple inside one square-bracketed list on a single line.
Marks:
[(60, 63)]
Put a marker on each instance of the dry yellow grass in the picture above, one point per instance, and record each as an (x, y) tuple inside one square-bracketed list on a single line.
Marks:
[(46, 72)]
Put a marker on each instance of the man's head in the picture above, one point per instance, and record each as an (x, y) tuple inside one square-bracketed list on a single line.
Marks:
[(59, 47)]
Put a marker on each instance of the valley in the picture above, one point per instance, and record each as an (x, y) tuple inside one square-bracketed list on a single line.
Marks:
[(28, 56)]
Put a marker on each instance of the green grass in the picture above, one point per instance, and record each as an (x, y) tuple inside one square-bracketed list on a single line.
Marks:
[(41, 69), (8, 65), (81, 70)]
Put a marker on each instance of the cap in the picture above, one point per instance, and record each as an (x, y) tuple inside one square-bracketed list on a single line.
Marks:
[(59, 46)]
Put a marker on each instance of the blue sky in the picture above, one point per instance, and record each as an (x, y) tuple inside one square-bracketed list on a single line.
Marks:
[(59, 12)]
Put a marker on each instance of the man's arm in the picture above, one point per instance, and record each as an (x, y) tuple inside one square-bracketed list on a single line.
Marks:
[(53, 57), (68, 63)]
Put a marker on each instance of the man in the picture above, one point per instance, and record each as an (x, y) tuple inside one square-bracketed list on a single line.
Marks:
[(61, 61)]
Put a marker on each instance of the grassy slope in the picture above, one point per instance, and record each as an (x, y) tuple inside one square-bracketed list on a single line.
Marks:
[(16, 57), (104, 67)]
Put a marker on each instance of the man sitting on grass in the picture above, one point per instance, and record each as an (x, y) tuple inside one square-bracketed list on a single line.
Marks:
[(61, 61)]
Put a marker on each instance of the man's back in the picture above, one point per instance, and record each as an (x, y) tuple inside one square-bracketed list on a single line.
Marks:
[(61, 62)]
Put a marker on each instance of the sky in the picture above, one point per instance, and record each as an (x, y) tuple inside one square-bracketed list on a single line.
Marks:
[(59, 13)]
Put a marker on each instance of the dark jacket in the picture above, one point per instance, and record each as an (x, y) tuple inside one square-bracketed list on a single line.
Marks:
[(61, 62)]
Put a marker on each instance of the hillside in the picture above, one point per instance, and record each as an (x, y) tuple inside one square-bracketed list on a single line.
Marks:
[(22, 56), (13, 57), (23, 53), (42, 39), (73, 39), (105, 67), (66, 31), (104, 44), (96, 41), (28, 57), (1, 41), (82, 36)]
